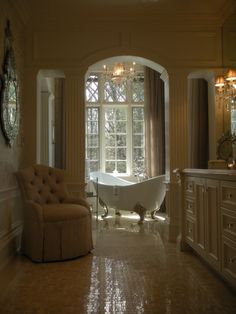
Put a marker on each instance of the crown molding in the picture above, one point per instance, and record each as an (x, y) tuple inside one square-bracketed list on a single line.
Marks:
[(162, 19)]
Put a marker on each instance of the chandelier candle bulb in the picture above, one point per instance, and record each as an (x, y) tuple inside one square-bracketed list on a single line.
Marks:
[(225, 88), (120, 72)]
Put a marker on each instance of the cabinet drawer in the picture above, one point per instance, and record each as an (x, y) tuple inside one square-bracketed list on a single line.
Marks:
[(190, 230), (189, 207), (228, 223), (229, 259), (228, 195), (189, 186)]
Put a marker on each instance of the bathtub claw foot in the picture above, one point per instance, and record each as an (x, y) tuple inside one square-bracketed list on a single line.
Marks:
[(140, 210), (105, 207), (153, 213)]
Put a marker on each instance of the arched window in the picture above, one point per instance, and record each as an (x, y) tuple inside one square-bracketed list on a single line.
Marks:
[(114, 124)]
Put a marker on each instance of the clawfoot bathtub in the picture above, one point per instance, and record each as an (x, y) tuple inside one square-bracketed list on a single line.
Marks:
[(120, 194)]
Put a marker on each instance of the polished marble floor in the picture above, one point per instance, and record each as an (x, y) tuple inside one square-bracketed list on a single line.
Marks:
[(132, 269)]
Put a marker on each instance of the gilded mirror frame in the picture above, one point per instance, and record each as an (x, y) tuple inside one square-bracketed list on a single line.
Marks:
[(9, 97), (224, 148)]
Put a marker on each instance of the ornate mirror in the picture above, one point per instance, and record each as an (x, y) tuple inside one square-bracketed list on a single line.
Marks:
[(225, 146), (9, 92)]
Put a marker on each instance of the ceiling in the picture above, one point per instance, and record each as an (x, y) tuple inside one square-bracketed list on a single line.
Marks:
[(39, 12)]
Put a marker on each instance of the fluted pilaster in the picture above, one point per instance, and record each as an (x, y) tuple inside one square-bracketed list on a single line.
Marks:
[(44, 128), (178, 119), (177, 144), (30, 118), (74, 127)]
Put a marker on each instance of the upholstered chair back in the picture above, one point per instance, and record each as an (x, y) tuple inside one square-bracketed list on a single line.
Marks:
[(43, 185)]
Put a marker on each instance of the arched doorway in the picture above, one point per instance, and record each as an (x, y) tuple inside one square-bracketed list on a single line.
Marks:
[(101, 139), (95, 155), (50, 113)]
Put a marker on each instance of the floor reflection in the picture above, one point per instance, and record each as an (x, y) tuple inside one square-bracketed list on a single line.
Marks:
[(132, 269)]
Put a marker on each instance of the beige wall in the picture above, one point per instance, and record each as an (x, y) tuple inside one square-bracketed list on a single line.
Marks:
[(10, 157), (180, 50), (180, 47)]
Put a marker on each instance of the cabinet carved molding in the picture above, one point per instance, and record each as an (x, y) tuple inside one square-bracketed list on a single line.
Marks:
[(208, 218)]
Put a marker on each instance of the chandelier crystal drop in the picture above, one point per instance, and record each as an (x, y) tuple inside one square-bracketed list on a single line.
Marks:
[(120, 72)]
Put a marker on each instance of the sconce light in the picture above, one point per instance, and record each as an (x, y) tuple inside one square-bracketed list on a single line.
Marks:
[(226, 89)]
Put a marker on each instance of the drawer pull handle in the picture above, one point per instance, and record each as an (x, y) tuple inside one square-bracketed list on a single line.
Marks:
[(231, 260), (230, 225), (228, 196), (190, 230), (189, 206)]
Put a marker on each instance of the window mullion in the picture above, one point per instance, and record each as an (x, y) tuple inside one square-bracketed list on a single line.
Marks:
[(129, 140), (123, 148)]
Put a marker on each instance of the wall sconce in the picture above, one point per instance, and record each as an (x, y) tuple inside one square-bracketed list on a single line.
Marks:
[(226, 89)]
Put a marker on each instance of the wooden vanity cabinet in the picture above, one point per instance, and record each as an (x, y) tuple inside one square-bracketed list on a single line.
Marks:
[(228, 230), (201, 218), (209, 218)]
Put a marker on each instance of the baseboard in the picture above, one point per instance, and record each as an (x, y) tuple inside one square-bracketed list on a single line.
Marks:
[(10, 224), (10, 245)]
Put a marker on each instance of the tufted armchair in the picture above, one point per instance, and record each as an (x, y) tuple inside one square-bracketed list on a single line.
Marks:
[(56, 226)]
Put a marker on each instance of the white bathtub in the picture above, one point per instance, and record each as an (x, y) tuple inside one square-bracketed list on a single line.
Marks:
[(120, 194)]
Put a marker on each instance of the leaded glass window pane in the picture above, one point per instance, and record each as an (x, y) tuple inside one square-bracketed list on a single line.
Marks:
[(116, 136), (91, 91), (138, 113), (110, 140), (121, 153), (92, 127), (138, 126), (121, 167), (93, 165), (138, 90), (138, 153), (92, 153), (109, 126), (120, 114), (114, 93), (138, 141), (92, 138), (110, 166), (121, 140), (110, 153)]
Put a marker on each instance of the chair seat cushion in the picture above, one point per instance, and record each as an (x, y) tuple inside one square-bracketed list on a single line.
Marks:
[(63, 212)]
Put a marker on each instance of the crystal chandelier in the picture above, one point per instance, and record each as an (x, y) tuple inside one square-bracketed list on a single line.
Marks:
[(119, 73), (226, 89)]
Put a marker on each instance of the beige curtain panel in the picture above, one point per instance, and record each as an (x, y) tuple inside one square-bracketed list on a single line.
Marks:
[(154, 111)]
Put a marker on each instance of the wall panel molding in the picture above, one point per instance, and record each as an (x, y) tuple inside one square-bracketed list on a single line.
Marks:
[(10, 223), (8, 193)]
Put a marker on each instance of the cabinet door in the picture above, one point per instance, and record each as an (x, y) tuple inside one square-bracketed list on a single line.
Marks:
[(229, 260), (212, 222), (200, 229)]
